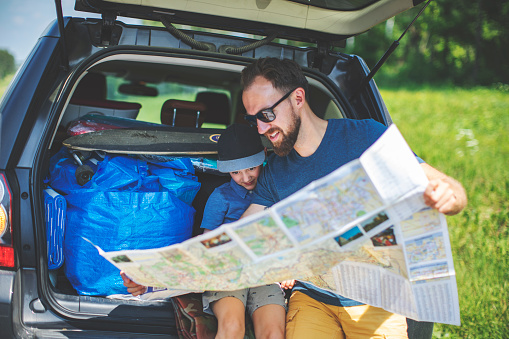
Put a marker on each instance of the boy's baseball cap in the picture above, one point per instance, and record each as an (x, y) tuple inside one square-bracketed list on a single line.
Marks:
[(239, 147)]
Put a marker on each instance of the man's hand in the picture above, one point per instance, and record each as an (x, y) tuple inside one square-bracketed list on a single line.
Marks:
[(443, 193), (439, 195), (287, 284), (132, 287)]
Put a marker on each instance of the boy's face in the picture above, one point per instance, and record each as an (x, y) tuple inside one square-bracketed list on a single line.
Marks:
[(248, 177)]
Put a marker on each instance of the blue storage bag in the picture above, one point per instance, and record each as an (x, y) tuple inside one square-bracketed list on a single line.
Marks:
[(128, 204), (118, 221)]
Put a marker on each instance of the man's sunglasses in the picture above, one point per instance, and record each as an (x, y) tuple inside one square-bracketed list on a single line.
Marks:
[(266, 114)]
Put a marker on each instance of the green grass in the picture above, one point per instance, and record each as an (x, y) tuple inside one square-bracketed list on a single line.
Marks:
[(465, 133)]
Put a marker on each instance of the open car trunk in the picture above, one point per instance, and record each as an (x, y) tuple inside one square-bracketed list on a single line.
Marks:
[(137, 81)]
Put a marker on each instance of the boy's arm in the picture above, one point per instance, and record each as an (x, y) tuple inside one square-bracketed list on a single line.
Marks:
[(443, 193), (132, 287)]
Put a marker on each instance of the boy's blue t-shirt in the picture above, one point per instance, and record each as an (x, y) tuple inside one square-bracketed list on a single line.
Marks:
[(226, 204), (344, 141)]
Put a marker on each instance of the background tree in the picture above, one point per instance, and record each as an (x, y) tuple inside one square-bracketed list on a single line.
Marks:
[(6, 63), (461, 43)]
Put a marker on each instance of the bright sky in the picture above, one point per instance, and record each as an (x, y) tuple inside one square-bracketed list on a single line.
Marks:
[(23, 21)]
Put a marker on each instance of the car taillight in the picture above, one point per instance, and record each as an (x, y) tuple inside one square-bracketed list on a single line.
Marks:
[(6, 245)]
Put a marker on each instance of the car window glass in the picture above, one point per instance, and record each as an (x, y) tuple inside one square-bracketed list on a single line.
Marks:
[(151, 105)]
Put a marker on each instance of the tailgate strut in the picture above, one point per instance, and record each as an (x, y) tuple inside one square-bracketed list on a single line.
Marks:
[(385, 56), (60, 17)]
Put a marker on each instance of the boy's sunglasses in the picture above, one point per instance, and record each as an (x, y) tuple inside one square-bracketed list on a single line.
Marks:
[(266, 114)]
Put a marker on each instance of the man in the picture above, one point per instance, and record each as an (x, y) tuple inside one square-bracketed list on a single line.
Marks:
[(307, 148)]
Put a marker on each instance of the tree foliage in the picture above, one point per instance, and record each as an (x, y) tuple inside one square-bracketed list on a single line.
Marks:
[(6, 63), (462, 42)]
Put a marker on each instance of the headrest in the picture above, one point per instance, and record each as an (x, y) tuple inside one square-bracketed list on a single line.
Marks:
[(218, 107), (183, 104), (185, 113)]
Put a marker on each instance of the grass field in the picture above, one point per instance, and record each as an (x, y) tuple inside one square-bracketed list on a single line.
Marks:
[(465, 133)]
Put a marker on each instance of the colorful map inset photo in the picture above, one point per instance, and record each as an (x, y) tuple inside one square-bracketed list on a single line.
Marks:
[(348, 236), (384, 238), (374, 221), (218, 240)]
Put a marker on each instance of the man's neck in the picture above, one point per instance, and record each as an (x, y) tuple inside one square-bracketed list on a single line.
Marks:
[(311, 133)]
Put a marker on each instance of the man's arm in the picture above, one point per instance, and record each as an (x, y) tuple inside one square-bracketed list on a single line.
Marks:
[(443, 192), (252, 209)]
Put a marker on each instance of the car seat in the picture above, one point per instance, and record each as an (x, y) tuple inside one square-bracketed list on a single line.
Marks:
[(182, 113), (89, 97)]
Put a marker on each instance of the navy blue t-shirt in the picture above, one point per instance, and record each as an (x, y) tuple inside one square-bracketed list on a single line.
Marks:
[(344, 141)]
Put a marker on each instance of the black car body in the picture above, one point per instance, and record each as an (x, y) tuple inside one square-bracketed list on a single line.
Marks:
[(143, 57)]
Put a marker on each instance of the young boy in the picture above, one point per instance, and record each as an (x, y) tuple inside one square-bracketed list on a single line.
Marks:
[(241, 153)]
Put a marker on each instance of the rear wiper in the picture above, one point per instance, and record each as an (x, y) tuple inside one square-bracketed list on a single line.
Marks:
[(386, 56)]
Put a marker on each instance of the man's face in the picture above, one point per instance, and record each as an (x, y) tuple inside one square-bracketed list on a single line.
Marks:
[(283, 131)]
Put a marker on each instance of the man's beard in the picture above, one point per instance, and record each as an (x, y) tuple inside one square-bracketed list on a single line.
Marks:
[(284, 147)]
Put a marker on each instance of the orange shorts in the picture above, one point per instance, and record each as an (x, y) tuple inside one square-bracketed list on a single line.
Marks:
[(308, 318)]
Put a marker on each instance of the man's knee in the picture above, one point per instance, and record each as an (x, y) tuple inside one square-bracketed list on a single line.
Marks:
[(308, 318), (366, 321)]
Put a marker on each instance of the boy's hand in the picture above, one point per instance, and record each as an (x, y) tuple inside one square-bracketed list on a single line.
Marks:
[(287, 284), (132, 287)]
